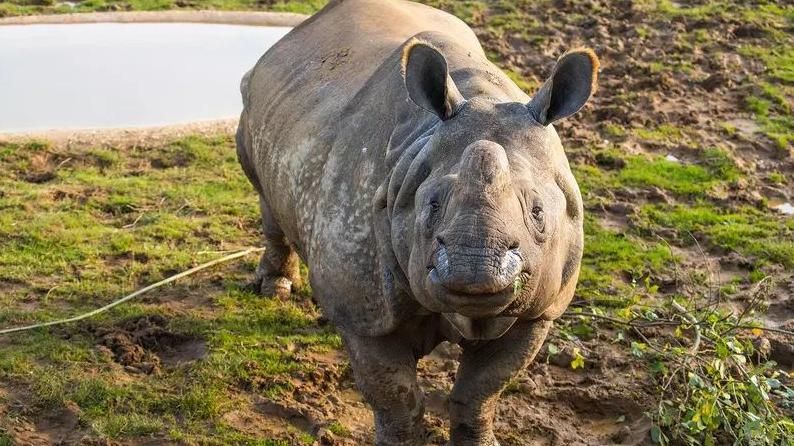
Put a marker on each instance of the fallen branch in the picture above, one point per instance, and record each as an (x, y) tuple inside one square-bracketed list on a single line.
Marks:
[(634, 323), (128, 297)]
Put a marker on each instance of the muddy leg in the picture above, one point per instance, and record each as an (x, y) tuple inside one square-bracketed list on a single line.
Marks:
[(485, 370), (385, 372), (278, 272)]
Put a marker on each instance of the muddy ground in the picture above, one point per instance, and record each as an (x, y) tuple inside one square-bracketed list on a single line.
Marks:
[(676, 79)]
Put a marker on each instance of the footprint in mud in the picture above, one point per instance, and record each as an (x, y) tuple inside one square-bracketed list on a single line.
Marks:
[(146, 345)]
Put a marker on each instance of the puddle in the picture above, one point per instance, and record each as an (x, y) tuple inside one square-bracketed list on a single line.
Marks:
[(104, 75)]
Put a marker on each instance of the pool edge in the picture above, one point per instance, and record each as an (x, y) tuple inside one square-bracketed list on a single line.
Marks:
[(124, 136), (250, 18)]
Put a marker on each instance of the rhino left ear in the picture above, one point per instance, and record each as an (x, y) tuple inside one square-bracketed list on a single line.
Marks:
[(568, 88), (428, 82)]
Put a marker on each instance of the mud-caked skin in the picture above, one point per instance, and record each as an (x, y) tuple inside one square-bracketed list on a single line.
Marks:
[(429, 196)]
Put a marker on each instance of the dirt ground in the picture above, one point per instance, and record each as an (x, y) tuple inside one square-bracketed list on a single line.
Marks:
[(671, 84)]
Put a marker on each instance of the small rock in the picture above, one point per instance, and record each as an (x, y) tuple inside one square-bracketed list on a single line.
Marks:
[(762, 348), (785, 208)]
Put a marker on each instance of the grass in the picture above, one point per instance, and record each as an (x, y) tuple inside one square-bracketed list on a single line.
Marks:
[(712, 168), (746, 230), (108, 222), (771, 100)]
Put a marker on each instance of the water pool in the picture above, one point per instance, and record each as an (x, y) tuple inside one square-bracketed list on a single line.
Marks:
[(104, 75)]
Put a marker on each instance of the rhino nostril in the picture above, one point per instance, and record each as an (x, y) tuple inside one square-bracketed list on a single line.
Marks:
[(440, 261)]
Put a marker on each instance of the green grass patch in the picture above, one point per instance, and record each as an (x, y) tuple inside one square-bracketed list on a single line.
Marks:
[(771, 102), (664, 132), (616, 261), (715, 167), (747, 231)]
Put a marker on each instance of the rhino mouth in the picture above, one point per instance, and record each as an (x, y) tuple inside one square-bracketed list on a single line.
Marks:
[(471, 305)]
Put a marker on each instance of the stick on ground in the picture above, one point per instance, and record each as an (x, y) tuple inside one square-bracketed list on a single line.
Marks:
[(128, 297)]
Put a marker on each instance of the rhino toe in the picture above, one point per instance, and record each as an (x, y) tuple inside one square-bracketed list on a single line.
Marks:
[(280, 287)]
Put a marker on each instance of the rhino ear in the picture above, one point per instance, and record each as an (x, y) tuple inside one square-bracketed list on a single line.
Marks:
[(428, 82), (568, 88)]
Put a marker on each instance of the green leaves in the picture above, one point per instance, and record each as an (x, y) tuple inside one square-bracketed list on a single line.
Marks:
[(578, 360)]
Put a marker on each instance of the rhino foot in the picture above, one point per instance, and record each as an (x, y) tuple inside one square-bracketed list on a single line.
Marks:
[(280, 287)]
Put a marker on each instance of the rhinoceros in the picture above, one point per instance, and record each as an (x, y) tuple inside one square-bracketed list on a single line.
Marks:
[(429, 196)]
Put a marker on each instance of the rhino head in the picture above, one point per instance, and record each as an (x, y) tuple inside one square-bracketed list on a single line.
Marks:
[(490, 228)]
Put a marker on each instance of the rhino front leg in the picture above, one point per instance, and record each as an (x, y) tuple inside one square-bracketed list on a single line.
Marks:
[(485, 370), (385, 372), (278, 272)]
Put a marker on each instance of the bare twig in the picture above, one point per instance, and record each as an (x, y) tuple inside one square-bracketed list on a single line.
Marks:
[(634, 323), (128, 297), (62, 163), (708, 267), (769, 329), (132, 225), (755, 296)]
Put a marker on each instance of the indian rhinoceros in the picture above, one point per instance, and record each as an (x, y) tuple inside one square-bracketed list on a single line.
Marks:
[(429, 196)]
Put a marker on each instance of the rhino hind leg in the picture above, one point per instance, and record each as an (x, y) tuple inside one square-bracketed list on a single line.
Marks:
[(485, 370), (278, 272)]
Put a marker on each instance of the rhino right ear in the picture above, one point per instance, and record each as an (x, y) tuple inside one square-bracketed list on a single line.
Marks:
[(568, 88), (428, 82)]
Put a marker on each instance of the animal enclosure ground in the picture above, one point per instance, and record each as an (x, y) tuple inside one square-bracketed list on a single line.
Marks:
[(680, 158)]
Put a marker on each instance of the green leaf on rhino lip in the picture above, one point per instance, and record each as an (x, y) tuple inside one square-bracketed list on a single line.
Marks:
[(518, 284)]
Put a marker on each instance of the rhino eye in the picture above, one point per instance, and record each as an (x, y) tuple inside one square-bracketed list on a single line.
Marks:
[(434, 206), (538, 218), (431, 216)]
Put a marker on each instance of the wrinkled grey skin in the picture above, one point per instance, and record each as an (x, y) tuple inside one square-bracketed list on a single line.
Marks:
[(430, 197)]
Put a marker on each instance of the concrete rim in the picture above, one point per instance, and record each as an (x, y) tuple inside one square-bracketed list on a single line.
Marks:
[(250, 18)]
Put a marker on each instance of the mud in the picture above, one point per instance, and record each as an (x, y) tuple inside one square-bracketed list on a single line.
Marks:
[(145, 345), (547, 404)]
